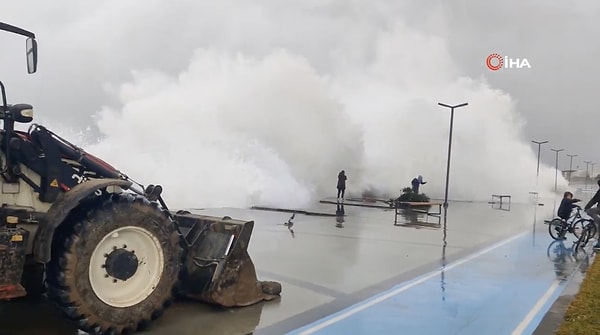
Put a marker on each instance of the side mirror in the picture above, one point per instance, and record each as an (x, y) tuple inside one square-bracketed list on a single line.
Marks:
[(25, 116), (31, 49), (21, 113)]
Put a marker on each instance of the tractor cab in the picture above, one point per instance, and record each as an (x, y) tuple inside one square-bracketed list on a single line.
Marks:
[(21, 113)]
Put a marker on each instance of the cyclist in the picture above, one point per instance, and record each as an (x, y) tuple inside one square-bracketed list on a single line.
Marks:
[(594, 212), (567, 205)]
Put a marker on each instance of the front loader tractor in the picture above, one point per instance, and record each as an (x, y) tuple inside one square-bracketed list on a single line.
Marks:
[(107, 250)]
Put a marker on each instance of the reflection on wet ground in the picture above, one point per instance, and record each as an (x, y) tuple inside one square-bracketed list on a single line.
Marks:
[(32, 317), (567, 259), (330, 263), (187, 316), (417, 220), (339, 215)]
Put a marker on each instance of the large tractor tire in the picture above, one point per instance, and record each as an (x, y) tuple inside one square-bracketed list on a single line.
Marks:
[(114, 269)]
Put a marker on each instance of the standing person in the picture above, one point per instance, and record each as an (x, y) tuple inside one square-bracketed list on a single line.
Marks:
[(341, 185), (416, 182), (594, 212)]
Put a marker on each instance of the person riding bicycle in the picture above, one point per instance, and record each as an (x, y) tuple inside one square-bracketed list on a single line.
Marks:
[(594, 212), (566, 206)]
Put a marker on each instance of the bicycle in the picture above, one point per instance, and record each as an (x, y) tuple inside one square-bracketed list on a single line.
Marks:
[(558, 227)]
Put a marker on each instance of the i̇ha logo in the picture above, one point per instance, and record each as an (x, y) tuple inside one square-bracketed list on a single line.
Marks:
[(495, 62)]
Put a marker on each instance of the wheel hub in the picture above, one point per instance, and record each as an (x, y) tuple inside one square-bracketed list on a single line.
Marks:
[(121, 264), (126, 266)]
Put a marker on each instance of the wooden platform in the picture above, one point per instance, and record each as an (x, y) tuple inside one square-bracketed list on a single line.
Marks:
[(417, 204), (356, 203), (289, 210), (413, 206)]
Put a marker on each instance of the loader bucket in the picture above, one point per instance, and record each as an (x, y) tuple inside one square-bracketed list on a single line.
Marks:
[(218, 267)]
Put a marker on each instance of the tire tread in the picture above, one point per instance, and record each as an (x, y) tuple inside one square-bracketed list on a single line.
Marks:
[(60, 273)]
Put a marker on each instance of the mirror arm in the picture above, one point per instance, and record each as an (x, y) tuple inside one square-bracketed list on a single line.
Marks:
[(4, 102), (16, 30)]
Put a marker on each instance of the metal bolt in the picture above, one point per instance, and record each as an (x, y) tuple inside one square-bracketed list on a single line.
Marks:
[(133, 251), (124, 246), (115, 247), (105, 255), (114, 281), (106, 276), (103, 266)]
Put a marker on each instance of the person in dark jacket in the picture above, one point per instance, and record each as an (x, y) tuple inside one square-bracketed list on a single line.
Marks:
[(341, 184), (594, 212), (416, 182), (566, 206)]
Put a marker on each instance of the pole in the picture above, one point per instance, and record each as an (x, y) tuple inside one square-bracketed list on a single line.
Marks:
[(449, 147), (556, 168), (571, 167), (592, 173), (587, 165), (444, 244), (539, 143), (448, 161)]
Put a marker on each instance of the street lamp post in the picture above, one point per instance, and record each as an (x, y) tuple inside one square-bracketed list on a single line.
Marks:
[(449, 146), (539, 143), (571, 167), (587, 165), (556, 167), (592, 173)]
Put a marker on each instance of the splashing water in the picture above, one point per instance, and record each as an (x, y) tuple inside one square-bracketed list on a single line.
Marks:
[(232, 131)]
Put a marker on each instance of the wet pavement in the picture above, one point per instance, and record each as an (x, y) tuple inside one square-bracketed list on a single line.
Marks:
[(464, 271), (554, 317)]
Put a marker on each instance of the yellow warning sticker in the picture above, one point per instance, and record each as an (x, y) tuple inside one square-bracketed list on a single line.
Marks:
[(17, 238), (54, 183)]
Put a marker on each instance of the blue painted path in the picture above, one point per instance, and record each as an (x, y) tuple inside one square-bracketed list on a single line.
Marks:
[(504, 289)]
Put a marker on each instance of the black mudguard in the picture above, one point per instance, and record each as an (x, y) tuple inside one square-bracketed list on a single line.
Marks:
[(60, 210)]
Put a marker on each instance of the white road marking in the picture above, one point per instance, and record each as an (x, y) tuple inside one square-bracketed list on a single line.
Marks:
[(536, 308)]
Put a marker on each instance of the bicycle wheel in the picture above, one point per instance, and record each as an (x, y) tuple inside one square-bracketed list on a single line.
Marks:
[(556, 229), (593, 228), (587, 223), (584, 238), (577, 227)]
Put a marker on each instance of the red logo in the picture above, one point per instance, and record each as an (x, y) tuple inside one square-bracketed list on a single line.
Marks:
[(494, 58)]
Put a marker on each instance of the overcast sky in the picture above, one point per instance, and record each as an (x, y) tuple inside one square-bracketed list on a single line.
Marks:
[(558, 94), (87, 50)]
